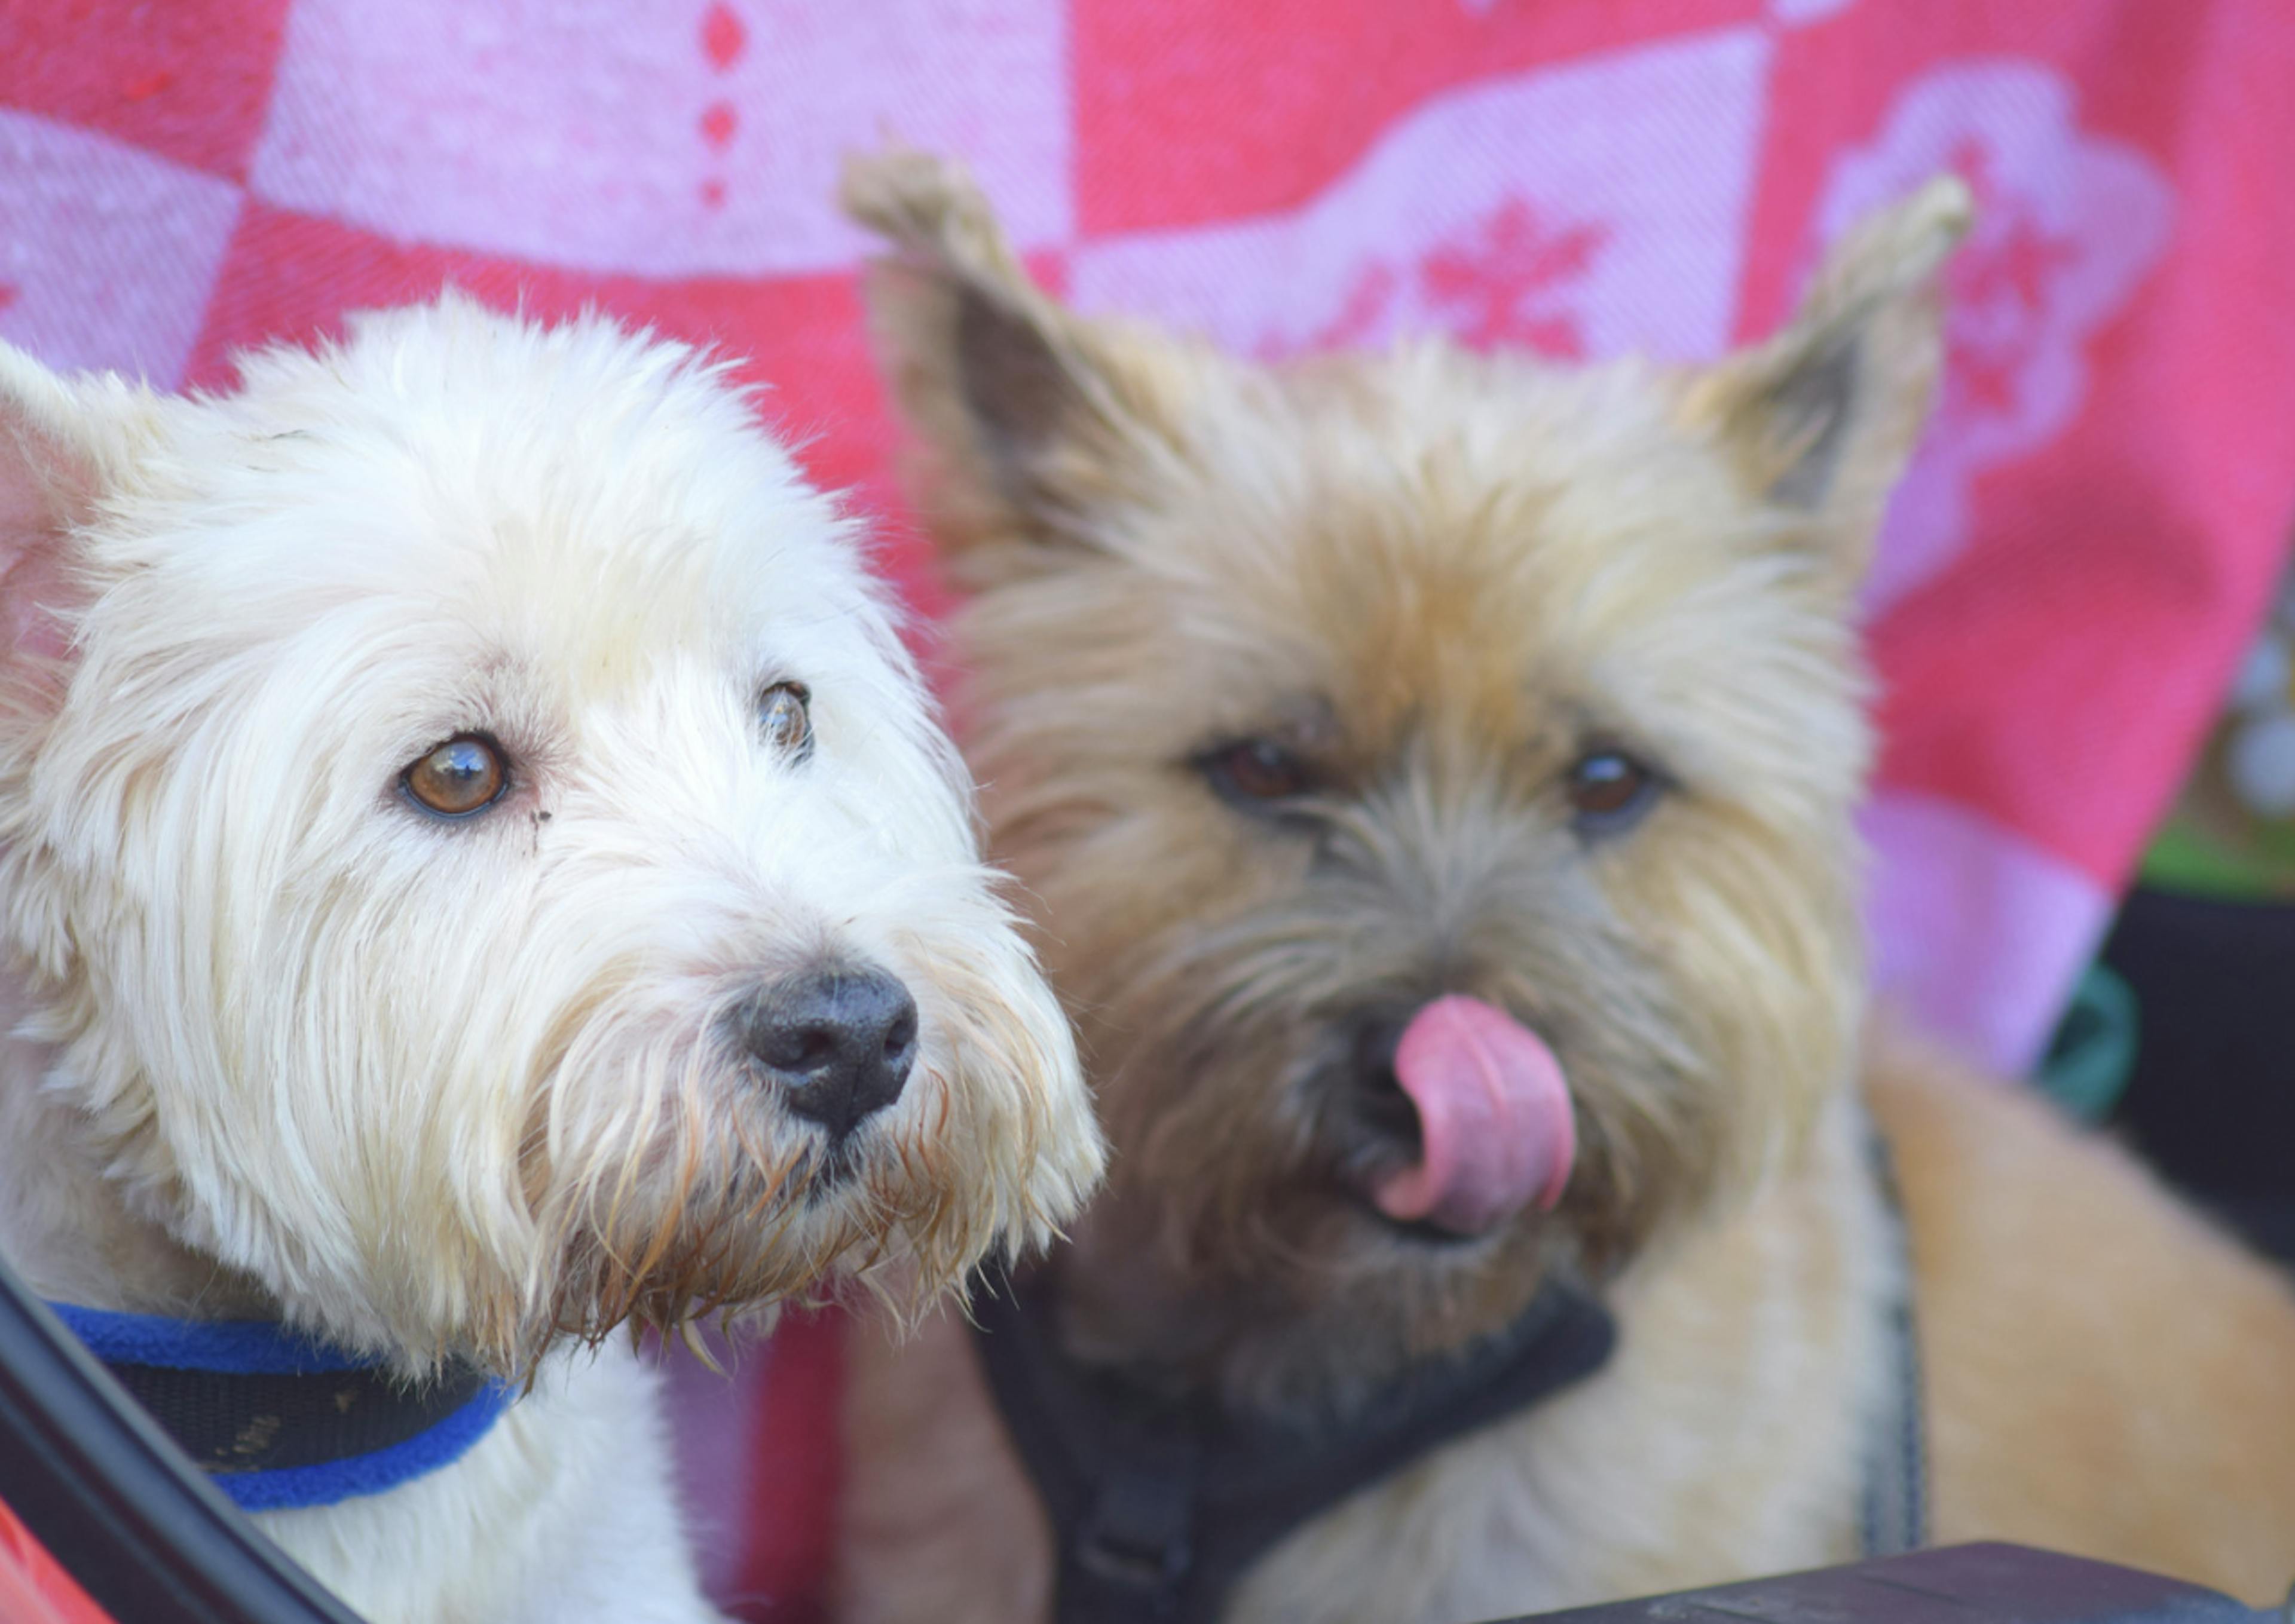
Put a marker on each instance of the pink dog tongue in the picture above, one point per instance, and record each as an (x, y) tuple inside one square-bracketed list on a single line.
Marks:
[(1493, 1118)]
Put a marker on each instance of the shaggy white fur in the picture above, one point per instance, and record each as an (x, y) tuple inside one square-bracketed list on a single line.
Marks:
[(287, 1045)]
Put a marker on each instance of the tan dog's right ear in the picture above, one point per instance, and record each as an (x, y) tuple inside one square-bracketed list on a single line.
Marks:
[(1820, 419), (1033, 418)]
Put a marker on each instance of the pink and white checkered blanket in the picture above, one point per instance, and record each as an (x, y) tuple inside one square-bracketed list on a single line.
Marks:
[(2068, 575)]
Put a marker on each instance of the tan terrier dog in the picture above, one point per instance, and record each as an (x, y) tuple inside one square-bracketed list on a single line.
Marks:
[(477, 869), (1433, 773)]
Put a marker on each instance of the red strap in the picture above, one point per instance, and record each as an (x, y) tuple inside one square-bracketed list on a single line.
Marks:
[(792, 1503), (34, 1587)]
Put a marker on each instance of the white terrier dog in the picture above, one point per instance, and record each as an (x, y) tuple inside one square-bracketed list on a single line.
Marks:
[(479, 870)]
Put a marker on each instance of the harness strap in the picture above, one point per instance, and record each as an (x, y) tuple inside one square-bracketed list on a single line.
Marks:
[(1895, 1467), (1160, 1503)]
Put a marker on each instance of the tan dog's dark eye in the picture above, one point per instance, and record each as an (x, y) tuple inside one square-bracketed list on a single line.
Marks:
[(467, 774), (1610, 790), (1255, 771), (785, 718)]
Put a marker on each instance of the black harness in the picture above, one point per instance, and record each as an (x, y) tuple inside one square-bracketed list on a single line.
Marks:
[(1159, 1503), (1897, 1457)]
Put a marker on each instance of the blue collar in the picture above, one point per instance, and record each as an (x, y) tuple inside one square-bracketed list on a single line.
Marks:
[(276, 1420)]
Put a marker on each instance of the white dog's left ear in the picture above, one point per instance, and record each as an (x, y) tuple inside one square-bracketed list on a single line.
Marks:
[(1819, 420), (62, 443)]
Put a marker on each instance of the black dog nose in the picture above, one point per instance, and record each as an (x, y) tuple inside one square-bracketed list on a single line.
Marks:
[(1379, 1101), (839, 1041)]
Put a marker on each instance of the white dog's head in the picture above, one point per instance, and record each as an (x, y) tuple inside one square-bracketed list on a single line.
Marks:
[(483, 854)]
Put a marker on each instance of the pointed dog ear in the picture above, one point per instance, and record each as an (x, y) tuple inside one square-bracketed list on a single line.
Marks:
[(1032, 418), (63, 441), (1819, 420)]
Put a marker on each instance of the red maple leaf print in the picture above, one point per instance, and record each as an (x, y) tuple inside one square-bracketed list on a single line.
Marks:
[(1502, 282), (2002, 281), (2016, 264)]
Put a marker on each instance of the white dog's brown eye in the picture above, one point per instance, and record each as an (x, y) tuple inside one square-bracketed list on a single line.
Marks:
[(1610, 790), (785, 718), (466, 774)]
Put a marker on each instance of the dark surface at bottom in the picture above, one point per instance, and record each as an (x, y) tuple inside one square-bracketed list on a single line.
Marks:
[(1964, 1584)]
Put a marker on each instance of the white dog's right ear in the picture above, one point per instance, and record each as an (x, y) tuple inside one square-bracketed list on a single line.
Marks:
[(62, 443), (1033, 420)]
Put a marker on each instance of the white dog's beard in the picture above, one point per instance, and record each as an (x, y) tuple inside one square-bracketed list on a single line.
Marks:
[(718, 1209), (704, 1196)]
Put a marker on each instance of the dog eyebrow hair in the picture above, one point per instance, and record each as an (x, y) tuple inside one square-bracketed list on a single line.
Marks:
[(1312, 729), (1308, 720)]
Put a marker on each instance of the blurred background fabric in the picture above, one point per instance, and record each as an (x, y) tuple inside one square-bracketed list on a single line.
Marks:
[(2073, 572)]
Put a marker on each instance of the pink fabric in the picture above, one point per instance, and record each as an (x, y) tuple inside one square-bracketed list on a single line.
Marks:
[(2068, 575)]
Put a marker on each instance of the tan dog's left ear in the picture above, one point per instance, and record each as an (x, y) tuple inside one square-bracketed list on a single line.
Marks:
[(1820, 419)]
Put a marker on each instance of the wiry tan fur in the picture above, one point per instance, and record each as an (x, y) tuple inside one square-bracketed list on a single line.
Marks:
[(1440, 578), (284, 1045)]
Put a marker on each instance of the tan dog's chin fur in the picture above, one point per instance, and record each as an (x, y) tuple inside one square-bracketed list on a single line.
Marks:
[(286, 1044), (1430, 584)]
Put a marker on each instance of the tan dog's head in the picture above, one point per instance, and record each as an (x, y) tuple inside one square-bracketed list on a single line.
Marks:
[(1433, 773), (484, 857)]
